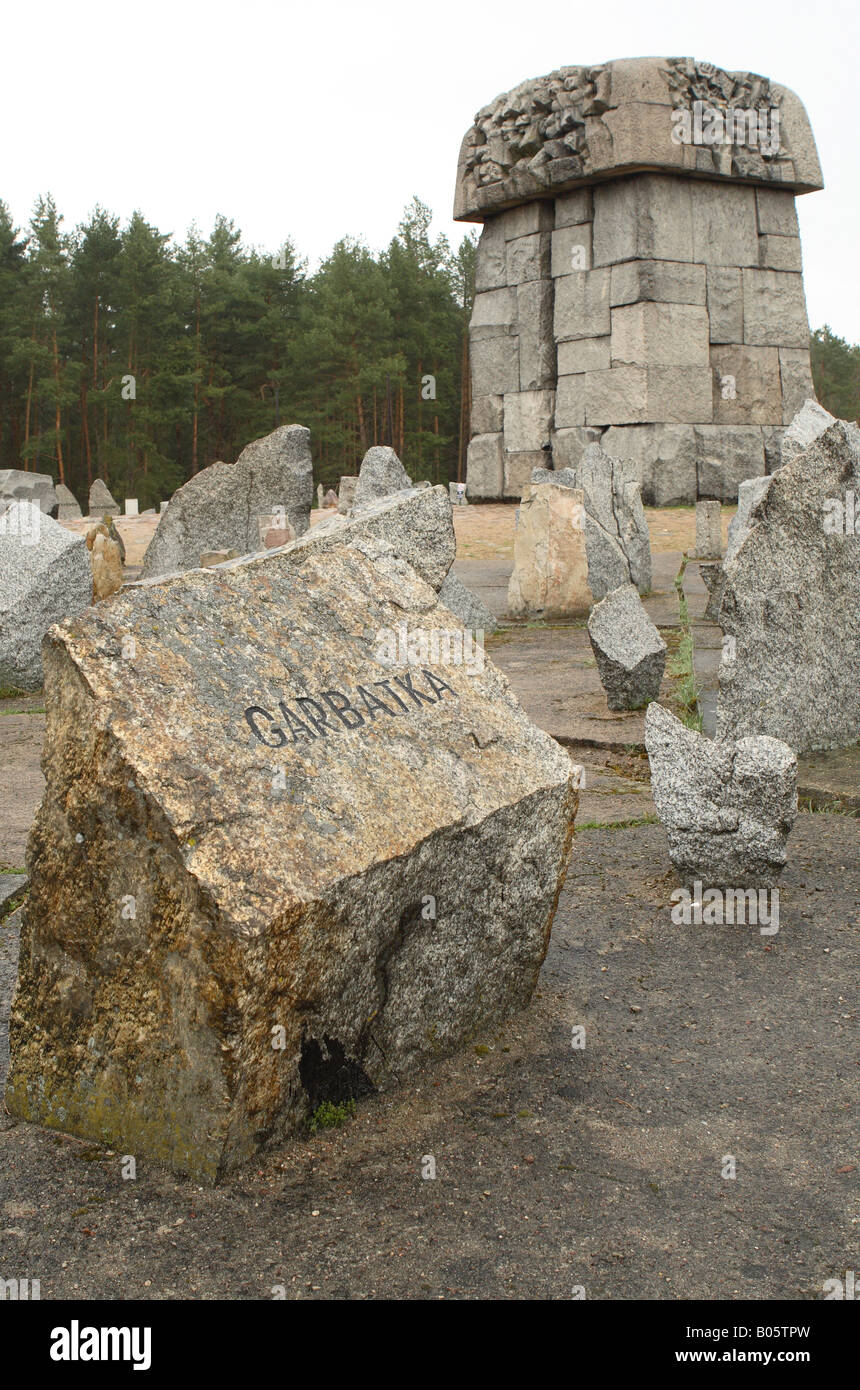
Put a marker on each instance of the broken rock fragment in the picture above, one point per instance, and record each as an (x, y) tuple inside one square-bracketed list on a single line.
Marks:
[(628, 649), (727, 807)]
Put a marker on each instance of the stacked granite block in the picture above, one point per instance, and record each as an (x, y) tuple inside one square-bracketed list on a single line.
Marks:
[(662, 309)]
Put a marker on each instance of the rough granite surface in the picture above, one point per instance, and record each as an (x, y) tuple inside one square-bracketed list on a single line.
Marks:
[(270, 870)]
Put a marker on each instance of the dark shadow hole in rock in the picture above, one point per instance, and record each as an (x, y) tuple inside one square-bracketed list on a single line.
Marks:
[(327, 1074)]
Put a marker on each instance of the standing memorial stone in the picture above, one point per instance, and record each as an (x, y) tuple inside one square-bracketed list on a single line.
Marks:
[(101, 502), (550, 575), (222, 506), (791, 604), (67, 504), (346, 493), (381, 473), (727, 807), (709, 537), (288, 875), (616, 531)]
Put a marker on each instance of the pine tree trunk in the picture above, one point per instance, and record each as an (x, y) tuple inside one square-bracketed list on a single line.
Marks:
[(362, 430), (85, 431), (420, 416), (58, 413), (401, 450), (27, 412)]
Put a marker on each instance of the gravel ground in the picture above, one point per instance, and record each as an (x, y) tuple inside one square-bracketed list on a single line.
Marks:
[(556, 1166)]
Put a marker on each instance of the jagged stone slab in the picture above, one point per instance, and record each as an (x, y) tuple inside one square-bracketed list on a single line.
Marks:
[(45, 576), (222, 507), (289, 872), (101, 501), (550, 574), (791, 605), (417, 523), (628, 649), (471, 610), (809, 422), (380, 474), (616, 531), (750, 493), (18, 485), (68, 508), (727, 807)]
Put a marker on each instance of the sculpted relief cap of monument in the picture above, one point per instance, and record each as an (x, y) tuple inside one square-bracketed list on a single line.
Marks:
[(580, 124)]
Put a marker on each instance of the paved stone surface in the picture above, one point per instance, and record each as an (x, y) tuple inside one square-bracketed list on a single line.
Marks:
[(830, 780), (10, 887), (555, 1167), (21, 781)]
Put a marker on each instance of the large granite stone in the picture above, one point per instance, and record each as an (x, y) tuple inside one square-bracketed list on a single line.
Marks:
[(222, 506), (628, 649), (727, 807), (380, 474), (550, 575), (16, 484), (288, 875), (45, 576), (791, 605)]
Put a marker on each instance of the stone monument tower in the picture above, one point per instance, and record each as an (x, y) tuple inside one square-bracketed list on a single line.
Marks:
[(638, 275)]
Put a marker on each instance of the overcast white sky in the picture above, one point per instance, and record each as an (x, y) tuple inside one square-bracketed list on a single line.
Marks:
[(313, 121)]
